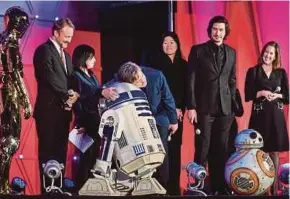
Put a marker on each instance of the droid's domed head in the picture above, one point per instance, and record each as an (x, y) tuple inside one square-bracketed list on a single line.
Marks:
[(16, 19), (249, 139)]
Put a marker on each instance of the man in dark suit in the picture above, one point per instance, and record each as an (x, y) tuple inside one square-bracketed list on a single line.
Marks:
[(211, 88), (161, 103), (52, 113)]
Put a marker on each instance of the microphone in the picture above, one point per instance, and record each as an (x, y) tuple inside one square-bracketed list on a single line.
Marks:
[(197, 129), (169, 136), (277, 90), (70, 92)]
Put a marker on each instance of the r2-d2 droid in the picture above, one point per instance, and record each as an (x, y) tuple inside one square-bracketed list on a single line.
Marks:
[(249, 171), (130, 137)]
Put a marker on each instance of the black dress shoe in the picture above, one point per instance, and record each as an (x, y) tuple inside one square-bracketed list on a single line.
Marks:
[(222, 192)]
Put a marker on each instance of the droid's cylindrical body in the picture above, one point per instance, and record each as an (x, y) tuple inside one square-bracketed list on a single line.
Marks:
[(137, 147)]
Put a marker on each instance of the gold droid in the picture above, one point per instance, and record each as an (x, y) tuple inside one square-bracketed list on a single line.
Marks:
[(14, 93)]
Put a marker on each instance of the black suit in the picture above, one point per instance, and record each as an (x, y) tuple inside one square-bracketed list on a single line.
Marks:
[(211, 89), (52, 121)]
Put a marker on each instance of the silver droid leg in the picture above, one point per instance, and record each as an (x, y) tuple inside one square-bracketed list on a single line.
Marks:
[(103, 183), (145, 184)]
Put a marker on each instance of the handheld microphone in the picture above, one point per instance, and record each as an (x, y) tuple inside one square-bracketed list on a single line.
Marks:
[(70, 92), (278, 89), (197, 129), (169, 136)]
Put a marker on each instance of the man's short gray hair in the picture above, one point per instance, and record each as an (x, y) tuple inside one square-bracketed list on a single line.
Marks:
[(129, 72)]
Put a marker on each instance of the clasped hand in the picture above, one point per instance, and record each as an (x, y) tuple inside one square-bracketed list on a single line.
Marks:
[(270, 96), (71, 100)]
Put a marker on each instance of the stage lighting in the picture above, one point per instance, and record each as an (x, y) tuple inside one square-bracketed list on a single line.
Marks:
[(198, 173), (17, 186), (21, 156), (284, 177), (52, 169), (75, 158)]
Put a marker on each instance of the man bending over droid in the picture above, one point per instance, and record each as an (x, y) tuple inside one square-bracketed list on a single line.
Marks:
[(129, 133)]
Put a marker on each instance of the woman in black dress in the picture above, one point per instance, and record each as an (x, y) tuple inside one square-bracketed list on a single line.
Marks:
[(267, 86), (174, 67)]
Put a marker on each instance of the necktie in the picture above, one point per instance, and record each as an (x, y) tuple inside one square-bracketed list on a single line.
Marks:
[(219, 57), (62, 56)]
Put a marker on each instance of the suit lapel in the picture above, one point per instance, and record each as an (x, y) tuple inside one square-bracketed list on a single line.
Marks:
[(68, 64), (227, 52)]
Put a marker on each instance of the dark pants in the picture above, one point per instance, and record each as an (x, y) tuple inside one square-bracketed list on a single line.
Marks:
[(88, 159), (52, 140), (174, 149), (162, 174), (211, 146), (87, 162), (232, 136)]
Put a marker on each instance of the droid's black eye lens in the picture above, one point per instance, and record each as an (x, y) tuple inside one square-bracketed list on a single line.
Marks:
[(253, 135), (52, 172)]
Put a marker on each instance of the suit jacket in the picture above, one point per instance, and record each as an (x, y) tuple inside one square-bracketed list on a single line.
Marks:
[(86, 107), (207, 85), (159, 96), (52, 80)]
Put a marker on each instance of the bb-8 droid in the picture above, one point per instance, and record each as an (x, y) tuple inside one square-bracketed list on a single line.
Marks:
[(249, 171)]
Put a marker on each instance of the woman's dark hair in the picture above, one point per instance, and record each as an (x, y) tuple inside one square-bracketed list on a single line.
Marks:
[(174, 36), (81, 54), (218, 19), (277, 61)]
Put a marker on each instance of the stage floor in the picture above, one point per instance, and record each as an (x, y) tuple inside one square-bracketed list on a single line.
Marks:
[(156, 197)]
